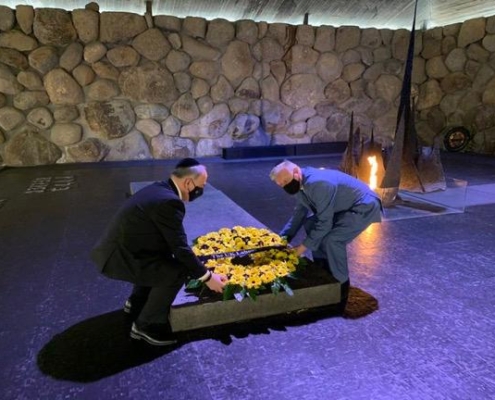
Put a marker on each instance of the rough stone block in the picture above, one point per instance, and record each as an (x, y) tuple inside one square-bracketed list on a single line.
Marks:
[(314, 288)]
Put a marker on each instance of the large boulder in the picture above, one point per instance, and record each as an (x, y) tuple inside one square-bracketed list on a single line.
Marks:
[(123, 56), (13, 58), (43, 59), (25, 18), (212, 125), (7, 18), (17, 40), (152, 44), (150, 83), (471, 31), (41, 118), (27, 99), (10, 118), (86, 23), (199, 50), (268, 49), (347, 37), (30, 148), (329, 67), (237, 63), (325, 39), (247, 31), (185, 108), (118, 27), (131, 147), (111, 119), (220, 32), (62, 88), (8, 81), (164, 147), (102, 89), (151, 111), (302, 90), (71, 56), (430, 95), (245, 130), (65, 134), (388, 87), (53, 26), (304, 59), (275, 116), (64, 114), (89, 150)]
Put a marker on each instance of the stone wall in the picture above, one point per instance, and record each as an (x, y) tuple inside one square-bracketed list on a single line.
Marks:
[(85, 86)]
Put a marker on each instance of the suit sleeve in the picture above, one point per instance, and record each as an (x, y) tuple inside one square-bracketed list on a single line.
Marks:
[(295, 222), (323, 196), (169, 218)]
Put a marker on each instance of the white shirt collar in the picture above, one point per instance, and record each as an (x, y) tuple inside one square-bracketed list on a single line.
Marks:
[(178, 190)]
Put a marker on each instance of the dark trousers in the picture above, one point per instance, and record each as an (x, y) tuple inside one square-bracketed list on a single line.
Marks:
[(151, 304), (346, 227), (344, 286), (344, 295)]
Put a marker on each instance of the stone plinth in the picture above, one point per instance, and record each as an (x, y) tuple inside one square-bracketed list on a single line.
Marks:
[(192, 310)]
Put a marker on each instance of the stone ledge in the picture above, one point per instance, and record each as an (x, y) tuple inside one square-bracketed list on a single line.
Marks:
[(290, 150), (314, 288)]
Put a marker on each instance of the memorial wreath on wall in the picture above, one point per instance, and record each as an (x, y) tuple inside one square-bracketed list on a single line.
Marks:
[(254, 260)]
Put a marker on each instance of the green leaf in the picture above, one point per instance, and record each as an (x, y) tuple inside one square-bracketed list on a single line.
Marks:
[(228, 291), (195, 241), (292, 276), (303, 262), (275, 286), (194, 284), (288, 289), (253, 293)]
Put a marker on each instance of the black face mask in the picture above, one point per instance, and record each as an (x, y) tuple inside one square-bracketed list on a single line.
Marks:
[(195, 193), (293, 186)]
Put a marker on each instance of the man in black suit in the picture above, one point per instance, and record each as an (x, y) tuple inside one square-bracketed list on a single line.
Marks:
[(145, 244)]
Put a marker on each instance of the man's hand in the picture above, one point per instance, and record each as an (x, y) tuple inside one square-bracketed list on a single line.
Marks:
[(300, 249), (216, 282)]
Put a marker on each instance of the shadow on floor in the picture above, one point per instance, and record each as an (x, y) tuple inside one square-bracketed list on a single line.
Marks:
[(94, 349), (100, 347)]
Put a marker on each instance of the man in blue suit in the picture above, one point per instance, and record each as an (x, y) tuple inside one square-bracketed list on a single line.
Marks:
[(334, 208), (145, 244)]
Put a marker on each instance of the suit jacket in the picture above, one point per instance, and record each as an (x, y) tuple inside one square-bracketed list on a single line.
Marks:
[(145, 242), (327, 193)]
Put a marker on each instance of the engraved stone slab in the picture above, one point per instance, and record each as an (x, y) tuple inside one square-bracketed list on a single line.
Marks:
[(190, 312)]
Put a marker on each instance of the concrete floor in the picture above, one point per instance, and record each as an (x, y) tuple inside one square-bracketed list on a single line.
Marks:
[(64, 335)]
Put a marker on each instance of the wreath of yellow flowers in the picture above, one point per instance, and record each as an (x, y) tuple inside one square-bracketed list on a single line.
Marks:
[(269, 268)]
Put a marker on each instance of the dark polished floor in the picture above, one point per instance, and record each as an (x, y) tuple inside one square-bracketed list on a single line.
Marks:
[(64, 336)]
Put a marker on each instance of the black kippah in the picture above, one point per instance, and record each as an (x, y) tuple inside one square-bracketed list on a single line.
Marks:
[(187, 162)]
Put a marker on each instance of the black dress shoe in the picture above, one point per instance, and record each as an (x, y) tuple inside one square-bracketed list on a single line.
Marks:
[(155, 335)]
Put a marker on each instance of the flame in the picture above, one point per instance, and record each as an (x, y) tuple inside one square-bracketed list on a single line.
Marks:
[(373, 172)]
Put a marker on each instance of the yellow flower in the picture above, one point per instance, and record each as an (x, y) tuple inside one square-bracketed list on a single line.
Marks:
[(268, 277), (237, 280), (253, 282), (265, 267)]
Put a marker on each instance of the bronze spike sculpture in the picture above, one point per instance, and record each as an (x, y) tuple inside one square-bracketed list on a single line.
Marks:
[(407, 165)]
